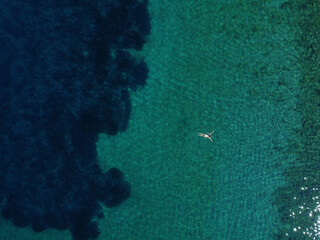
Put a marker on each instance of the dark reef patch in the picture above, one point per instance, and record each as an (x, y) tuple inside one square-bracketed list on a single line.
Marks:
[(297, 200), (64, 77)]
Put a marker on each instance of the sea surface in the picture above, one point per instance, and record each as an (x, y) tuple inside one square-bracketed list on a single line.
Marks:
[(247, 70)]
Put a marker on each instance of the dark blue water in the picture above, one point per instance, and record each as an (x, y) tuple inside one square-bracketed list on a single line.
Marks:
[(64, 77)]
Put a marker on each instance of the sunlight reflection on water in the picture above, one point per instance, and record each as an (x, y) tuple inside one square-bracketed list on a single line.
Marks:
[(309, 209)]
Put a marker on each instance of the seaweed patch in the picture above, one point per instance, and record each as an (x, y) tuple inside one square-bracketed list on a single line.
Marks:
[(65, 74)]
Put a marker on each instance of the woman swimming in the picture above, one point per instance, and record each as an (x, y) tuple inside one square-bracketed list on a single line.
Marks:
[(206, 135)]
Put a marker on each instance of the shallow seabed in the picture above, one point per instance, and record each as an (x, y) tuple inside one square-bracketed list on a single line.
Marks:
[(228, 66)]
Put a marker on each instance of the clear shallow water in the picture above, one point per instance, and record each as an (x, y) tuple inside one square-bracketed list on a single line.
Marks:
[(227, 67), (230, 67)]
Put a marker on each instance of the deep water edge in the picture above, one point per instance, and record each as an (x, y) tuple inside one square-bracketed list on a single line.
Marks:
[(65, 77)]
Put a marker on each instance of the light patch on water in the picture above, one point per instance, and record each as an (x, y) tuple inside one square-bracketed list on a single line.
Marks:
[(312, 231)]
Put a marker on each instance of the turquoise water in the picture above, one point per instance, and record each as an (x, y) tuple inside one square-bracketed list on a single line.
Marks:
[(238, 68), (228, 67)]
